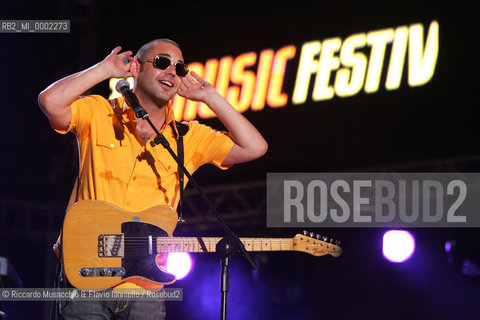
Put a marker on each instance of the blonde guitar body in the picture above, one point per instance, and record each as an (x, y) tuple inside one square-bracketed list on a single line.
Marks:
[(89, 219), (104, 246)]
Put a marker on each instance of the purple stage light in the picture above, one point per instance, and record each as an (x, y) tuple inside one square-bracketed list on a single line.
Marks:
[(398, 245), (179, 264)]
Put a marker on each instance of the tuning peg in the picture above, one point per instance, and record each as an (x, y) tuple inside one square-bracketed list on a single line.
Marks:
[(331, 240), (337, 242), (312, 234), (318, 236), (305, 232), (324, 238)]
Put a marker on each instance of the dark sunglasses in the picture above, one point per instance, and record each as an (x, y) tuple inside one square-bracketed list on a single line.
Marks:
[(162, 63)]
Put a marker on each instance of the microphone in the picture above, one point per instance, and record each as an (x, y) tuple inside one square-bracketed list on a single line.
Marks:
[(123, 87)]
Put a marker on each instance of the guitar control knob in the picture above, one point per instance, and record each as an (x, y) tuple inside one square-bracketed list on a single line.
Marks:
[(84, 272), (104, 272)]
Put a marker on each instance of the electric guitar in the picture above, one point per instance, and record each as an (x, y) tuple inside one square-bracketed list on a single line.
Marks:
[(104, 246)]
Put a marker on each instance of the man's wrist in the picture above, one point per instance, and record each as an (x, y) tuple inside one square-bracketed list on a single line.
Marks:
[(101, 71), (213, 98)]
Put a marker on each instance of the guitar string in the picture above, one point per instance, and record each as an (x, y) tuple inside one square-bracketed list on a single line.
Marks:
[(179, 243), (168, 243), (169, 240)]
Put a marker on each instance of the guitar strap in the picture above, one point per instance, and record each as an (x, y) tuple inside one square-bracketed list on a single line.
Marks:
[(182, 130)]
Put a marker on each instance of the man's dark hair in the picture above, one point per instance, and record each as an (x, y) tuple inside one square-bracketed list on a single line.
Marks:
[(144, 51)]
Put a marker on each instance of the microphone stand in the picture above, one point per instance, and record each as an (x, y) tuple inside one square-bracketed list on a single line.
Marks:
[(230, 244)]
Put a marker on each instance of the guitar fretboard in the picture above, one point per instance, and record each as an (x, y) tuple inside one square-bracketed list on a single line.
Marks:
[(191, 244)]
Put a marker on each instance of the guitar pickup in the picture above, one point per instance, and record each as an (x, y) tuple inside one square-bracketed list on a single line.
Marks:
[(111, 245)]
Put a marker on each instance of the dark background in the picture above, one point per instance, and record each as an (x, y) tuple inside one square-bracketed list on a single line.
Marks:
[(429, 128)]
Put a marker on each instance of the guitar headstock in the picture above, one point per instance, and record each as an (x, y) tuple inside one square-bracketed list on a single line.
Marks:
[(316, 245)]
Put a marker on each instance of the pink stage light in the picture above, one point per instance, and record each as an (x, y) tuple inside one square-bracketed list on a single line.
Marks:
[(179, 264), (398, 245)]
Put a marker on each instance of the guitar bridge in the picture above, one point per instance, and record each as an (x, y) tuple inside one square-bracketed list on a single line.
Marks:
[(110, 245)]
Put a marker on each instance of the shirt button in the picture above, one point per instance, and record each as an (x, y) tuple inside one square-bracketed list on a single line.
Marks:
[(112, 145)]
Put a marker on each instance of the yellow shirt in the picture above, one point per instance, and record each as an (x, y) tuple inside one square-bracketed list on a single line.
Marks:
[(116, 167)]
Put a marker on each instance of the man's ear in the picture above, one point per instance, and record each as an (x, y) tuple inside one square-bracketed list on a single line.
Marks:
[(135, 67)]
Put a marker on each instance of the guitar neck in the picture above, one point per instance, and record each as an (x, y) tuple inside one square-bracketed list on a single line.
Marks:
[(191, 244)]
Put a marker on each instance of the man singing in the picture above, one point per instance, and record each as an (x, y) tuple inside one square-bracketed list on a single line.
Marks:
[(118, 165)]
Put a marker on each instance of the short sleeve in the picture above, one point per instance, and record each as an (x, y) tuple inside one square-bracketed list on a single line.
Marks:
[(209, 145), (82, 113)]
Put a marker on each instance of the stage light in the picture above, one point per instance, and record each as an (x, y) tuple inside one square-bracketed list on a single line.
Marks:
[(179, 264), (449, 245), (398, 245)]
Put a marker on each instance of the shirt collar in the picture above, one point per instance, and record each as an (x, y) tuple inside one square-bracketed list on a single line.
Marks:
[(121, 106)]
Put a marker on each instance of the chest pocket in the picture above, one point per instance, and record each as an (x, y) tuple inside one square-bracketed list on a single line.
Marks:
[(110, 141), (110, 134), (112, 152), (164, 159)]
